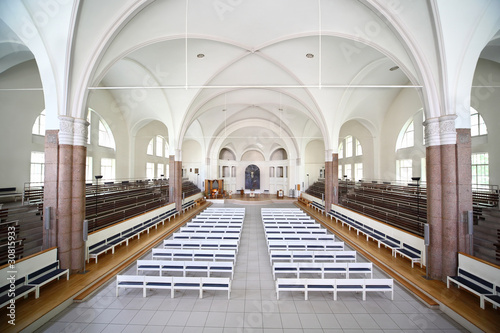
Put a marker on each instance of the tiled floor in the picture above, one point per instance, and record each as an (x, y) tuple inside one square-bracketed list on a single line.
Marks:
[(253, 306)]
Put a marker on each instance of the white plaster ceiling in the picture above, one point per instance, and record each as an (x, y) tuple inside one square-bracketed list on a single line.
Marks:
[(254, 67)]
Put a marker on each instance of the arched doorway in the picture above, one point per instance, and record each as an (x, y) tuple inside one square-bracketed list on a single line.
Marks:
[(252, 177)]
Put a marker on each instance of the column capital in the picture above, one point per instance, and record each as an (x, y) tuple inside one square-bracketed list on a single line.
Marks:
[(73, 131), (66, 130), (440, 131)]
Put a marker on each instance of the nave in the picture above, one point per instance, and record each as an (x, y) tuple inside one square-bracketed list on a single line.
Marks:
[(252, 307)]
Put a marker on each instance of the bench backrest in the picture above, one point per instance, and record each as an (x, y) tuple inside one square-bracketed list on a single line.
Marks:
[(411, 248), (392, 239), (46, 269), (475, 278), (6, 287)]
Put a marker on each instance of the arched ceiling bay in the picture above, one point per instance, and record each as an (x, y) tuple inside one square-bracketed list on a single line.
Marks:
[(291, 65)]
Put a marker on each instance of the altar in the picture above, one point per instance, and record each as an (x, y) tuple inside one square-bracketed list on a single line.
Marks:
[(252, 193)]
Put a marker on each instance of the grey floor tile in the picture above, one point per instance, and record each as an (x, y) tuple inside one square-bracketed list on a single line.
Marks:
[(271, 320), (160, 317), (309, 320), (114, 328), (347, 321), (94, 328), (290, 321), (106, 316), (179, 318)]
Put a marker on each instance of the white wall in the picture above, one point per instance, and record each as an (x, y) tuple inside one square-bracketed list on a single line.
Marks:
[(141, 141), (406, 104), (314, 156), (18, 111), (360, 132), (486, 101)]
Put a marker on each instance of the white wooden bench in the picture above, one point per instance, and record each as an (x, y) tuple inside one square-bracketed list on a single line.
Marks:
[(45, 275), (473, 283), (411, 253), (299, 237), (306, 245), (323, 268), (292, 226), (172, 283), (207, 244), (205, 255), (222, 225), (335, 286), (278, 231), (185, 267), (206, 236), (312, 256), (7, 293), (211, 230)]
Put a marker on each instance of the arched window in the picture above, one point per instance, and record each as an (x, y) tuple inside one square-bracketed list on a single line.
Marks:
[(151, 148), (477, 125), (341, 150), (105, 136), (407, 137), (348, 146), (158, 146), (39, 125), (359, 149)]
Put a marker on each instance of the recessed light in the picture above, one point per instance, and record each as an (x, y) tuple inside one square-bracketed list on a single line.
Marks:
[(223, 110), (392, 69), (309, 55), (200, 55)]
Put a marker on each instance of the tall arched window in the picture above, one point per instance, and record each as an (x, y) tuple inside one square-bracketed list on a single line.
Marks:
[(157, 158), (406, 137), (359, 149), (39, 125), (105, 136), (477, 125), (341, 150), (348, 146)]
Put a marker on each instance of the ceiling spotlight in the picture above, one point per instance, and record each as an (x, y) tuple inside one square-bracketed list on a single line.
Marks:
[(224, 110), (200, 55), (392, 69), (309, 55)]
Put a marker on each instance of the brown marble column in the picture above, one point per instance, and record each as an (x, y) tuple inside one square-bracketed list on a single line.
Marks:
[(64, 205), (328, 185), (78, 208), (464, 188), (50, 187), (171, 179), (449, 210), (433, 171), (175, 182), (178, 185), (335, 177)]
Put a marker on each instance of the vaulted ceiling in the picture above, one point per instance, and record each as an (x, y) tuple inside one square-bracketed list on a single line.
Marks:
[(245, 74)]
